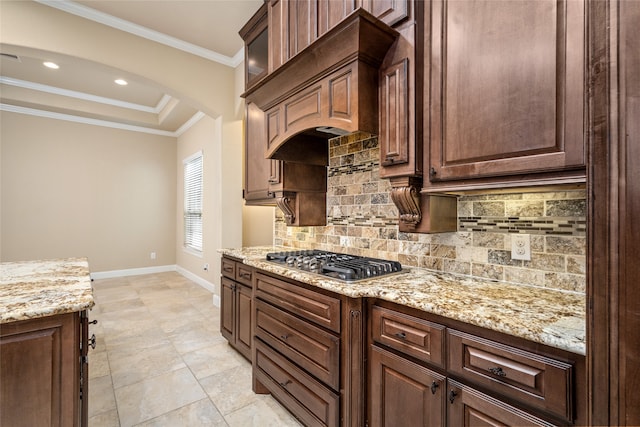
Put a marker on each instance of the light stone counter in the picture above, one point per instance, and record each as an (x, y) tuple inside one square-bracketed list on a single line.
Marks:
[(551, 317), (33, 289)]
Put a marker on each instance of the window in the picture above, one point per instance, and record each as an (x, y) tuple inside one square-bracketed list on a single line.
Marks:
[(193, 202)]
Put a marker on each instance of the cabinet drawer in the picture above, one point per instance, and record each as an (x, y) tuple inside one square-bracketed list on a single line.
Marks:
[(469, 407), (312, 348), (318, 308), (535, 380), (244, 274), (229, 268), (307, 399), (408, 334)]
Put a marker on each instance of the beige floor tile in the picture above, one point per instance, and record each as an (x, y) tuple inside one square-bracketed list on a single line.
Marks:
[(106, 419), (213, 359), (152, 397), (101, 395), (230, 390), (131, 368), (260, 414), (194, 339), (98, 364), (201, 414)]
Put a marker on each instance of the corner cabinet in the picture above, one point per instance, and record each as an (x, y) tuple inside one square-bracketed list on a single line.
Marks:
[(506, 101), (236, 303)]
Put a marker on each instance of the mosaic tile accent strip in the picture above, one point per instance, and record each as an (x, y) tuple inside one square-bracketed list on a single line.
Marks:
[(362, 220)]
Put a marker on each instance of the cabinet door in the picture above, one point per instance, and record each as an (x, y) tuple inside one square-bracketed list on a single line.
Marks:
[(507, 93), (227, 309), (40, 372), (403, 393), (259, 172), (243, 320), (469, 407)]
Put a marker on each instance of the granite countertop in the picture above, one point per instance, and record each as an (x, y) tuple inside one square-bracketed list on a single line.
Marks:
[(547, 316), (33, 289)]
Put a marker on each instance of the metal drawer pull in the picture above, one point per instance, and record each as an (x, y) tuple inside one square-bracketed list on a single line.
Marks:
[(285, 384), (452, 395), (245, 275), (498, 371), (284, 337), (434, 387), (401, 335)]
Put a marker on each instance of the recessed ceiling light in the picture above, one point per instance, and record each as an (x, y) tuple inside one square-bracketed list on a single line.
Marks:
[(52, 65), (121, 82)]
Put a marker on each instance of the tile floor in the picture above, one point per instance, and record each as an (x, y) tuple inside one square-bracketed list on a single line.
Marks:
[(160, 360)]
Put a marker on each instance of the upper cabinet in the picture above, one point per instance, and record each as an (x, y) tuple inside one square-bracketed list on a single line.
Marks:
[(506, 102), (256, 53)]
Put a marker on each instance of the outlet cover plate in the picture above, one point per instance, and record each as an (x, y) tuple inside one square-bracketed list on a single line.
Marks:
[(521, 247)]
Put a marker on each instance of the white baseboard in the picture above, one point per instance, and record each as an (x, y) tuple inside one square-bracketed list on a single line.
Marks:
[(132, 272), (195, 278)]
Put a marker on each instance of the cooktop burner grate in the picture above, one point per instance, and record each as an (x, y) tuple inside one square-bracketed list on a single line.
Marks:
[(345, 267)]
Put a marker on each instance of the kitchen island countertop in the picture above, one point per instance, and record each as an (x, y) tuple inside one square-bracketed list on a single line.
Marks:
[(34, 289), (551, 317)]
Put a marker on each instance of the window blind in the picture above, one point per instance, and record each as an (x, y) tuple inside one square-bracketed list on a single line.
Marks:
[(193, 202)]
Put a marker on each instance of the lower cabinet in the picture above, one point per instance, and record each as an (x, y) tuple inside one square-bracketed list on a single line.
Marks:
[(236, 302), (469, 407), (404, 393), (41, 370), (423, 373), (309, 352)]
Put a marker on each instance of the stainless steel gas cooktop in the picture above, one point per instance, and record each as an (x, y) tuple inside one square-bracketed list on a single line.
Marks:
[(349, 268)]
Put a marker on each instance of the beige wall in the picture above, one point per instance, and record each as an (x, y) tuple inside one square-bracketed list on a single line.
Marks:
[(208, 86), (71, 189), (220, 207)]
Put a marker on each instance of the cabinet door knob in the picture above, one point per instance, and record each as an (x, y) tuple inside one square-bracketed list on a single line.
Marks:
[(94, 322), (92, 341), (498, 371), (401, 335), (452, 395), (434, 387), (285, 383)]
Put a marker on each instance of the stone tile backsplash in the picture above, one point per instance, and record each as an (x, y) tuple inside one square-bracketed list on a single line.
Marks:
[(362, 220)]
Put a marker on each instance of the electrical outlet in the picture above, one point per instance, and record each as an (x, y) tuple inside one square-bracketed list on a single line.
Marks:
[(206, 267), (521, 247), (153, 255), (344, 241)]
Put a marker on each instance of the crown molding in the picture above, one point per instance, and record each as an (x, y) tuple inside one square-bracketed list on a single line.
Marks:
[(103, 123), (138, 30), (85, 96)]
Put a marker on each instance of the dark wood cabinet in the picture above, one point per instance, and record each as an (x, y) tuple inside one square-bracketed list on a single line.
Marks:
[(506, 101), (468, 407), (425, 370), (403, 392), (260, 173), (236, 303), (40, 367), (309, 351)]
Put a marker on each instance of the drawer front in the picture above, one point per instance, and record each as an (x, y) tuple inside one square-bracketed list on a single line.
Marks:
[(318, 308), (312, 348), (535, 380), (307, 399), (408, 334), (469, 407), (229, 268), (244, 274)]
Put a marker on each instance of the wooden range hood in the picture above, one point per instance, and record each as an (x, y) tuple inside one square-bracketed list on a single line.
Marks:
[(330, 85)]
